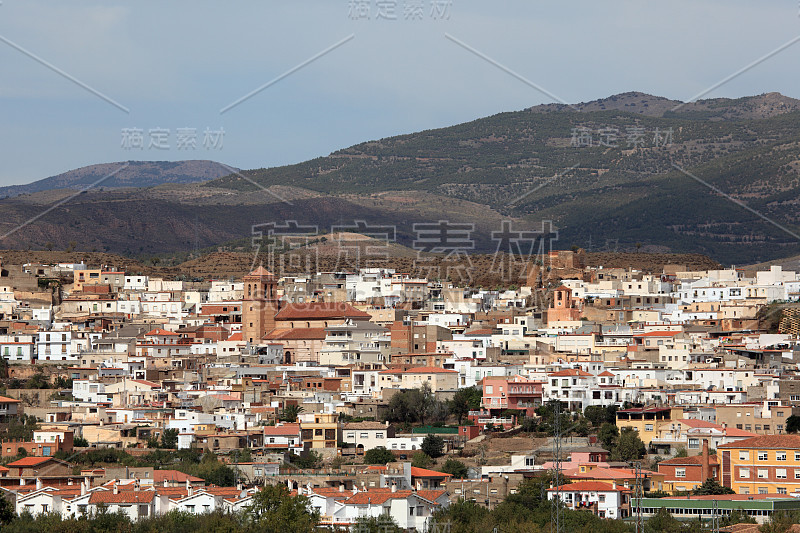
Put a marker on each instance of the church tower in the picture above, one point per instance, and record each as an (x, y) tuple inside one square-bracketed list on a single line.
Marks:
[(259, 305)]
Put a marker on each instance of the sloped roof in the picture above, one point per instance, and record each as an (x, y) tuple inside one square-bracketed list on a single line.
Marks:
[(126, 496), (790, 442), (29, 461), (320, 310), (424, 472), (296, 334), (589, 486)]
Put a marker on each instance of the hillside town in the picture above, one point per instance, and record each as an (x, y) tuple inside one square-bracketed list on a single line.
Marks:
[(374, 392)]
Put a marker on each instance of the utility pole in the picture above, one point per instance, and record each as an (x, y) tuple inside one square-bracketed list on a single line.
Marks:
[(638, 494), (715, 516), (555, 508)]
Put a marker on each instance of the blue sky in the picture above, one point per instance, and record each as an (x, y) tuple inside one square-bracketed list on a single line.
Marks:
[(177, 64)]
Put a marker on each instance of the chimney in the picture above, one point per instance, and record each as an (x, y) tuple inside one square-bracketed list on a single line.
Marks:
[(614, 485), (116, 487), (166, 482), (70, 482), (341, 487), (705, 462), (394, 486), (83, 489), (38, 484)]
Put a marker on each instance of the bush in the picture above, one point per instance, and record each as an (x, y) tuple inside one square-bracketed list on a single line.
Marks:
[(456, 468), (433, 445), (378, 456)]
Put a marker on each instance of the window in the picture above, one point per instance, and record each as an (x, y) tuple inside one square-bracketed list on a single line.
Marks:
[(763, 473), (781, 490), (780, 456), (744, 456), (744, 473), (763, 490), (680, 472), (694, 443), (763, 456), (797, 474), (648, 427), (780, 473)]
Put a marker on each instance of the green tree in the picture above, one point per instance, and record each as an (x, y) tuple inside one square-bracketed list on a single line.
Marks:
[(464, 401), (629, 446), (711, 487), (608, 435), (793, 424), (432, 445), (169, 438), (737, 516), (599, 415), (456, 468), (663, 522), (421, 460), (274, 509), (781, 522), (681, 452), (289, 413), (311, 459), (378, 456)]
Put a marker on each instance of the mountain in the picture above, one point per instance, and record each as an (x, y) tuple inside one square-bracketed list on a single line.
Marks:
[(632, 172), (606, 176), (135, 174)]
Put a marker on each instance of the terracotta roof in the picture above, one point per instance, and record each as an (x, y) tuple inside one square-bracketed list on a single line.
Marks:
[(173, 475), (695, 460), (160, 332), (235, 337), (127, 496), (296, 334), (6, 399), (29, 461), (789, 442), (261, 272), (590, 486), (606, 373), (424, 472), (380, 496), (320, 310), (285, 429)]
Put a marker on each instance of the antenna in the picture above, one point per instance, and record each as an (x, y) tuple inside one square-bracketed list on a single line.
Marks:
[(638, 494)]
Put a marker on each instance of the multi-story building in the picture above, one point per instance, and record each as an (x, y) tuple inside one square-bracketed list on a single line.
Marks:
[(769, 464)]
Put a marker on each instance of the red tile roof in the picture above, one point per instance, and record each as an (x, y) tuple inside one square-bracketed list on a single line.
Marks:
[(789, 442), (161, 333), (285, 429), (569, 372), (320, 310), (590, 486), (296, 334), (127, 496), (424, 472), (29, 461), (695, 460), (173, 475)]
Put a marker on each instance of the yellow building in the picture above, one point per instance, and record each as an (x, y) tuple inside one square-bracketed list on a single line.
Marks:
[(320, 430), (648, 421), (769, 464)]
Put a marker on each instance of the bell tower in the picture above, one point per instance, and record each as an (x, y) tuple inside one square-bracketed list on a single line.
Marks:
[(259, 305)]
